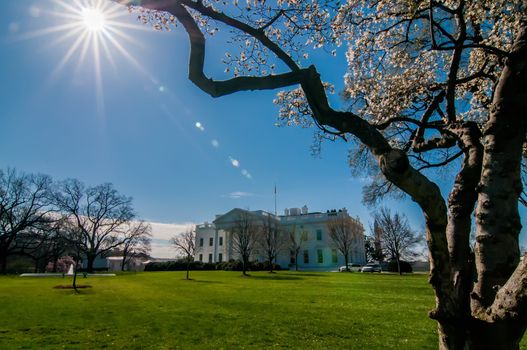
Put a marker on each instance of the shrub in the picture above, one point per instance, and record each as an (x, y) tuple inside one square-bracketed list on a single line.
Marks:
[(232, 265), (405, 266), (178, 266)]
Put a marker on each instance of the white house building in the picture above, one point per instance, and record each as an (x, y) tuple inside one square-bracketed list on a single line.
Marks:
[(317, 250)]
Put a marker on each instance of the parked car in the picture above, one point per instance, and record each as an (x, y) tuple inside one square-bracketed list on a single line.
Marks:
[(351, 267), (372, 268)]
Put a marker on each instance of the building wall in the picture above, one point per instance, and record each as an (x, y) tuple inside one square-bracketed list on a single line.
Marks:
[(318, 248), (211, 244), (314, 227)]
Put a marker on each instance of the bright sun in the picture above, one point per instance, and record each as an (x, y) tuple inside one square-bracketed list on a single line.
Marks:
[(93, 19), (96, 31)]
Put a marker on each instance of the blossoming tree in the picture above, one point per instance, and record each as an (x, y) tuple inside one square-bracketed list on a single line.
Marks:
[(429, 84)]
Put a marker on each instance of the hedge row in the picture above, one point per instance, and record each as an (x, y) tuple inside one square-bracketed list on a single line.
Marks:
[(234, 265), (405, 266)]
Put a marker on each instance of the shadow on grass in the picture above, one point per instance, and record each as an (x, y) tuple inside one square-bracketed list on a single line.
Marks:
[(310, 274), (276, 277), (207, 282)]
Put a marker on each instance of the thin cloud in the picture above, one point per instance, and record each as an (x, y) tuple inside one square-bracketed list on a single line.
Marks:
[(239, 194)]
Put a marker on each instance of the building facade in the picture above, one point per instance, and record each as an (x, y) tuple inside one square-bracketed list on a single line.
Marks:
[(317, 250)]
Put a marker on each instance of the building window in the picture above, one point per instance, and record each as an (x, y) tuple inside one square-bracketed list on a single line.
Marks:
[(334, 256), (201, 243), (220, 257), (221, 240), (319, 235), (292, 259), (201, 257), (320, 256), (210, 258), (306, 256), (211, 241)]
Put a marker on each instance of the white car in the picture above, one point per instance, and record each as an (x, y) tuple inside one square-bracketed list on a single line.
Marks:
[(372, 268), (351, 267)]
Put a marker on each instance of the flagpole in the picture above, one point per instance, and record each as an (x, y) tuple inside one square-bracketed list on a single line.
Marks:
[(275, 199)]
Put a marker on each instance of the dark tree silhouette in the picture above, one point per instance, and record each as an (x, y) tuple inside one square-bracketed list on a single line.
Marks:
[(244, 236), (136, 243), (344, 231), (185, 243), (270, 239), (296, 242), (97, 217), (397, 239), (25, 204)]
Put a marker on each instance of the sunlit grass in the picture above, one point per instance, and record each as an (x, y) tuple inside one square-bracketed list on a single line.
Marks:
[(220, 310)]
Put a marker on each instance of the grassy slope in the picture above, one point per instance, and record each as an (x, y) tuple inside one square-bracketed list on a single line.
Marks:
[(219, 310)]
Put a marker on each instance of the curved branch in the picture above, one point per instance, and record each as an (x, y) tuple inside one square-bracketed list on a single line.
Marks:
[(440, 164), (394, 163), (454, 66), (420, 124)]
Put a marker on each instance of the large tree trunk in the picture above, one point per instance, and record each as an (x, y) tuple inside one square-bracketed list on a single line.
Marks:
[(296, 261), (90, 259), (493, 315), (3, 261), (188, 265), (244, 265)]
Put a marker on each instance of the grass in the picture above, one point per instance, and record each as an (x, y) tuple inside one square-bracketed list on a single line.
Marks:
[(219, 310)]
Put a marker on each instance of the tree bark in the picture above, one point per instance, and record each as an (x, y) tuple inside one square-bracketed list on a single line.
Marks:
[(244, 265), (76, 267), (296, 261), (494, 317), (90, 259), (497, 217), (3, 261)]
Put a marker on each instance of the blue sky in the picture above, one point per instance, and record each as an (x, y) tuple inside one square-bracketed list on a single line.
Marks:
[(137, 126)]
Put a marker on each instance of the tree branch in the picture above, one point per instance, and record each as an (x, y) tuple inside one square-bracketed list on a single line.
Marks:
[(394, 163)]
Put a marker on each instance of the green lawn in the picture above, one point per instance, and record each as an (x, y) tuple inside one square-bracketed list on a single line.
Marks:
[(160, 310)]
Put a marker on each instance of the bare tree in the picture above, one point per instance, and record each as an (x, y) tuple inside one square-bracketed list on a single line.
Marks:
[(429, 85), (244, 236), (185, 243), (270, 239), (25, 202), (377, 241), (398, 240), (344, 231), (98, 216), (136, 242), (296, 242), (58, 244), (369, 249)]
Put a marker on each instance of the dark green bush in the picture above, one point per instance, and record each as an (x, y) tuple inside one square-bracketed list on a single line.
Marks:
[(405, 266), (233, 265), (178, 266)]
